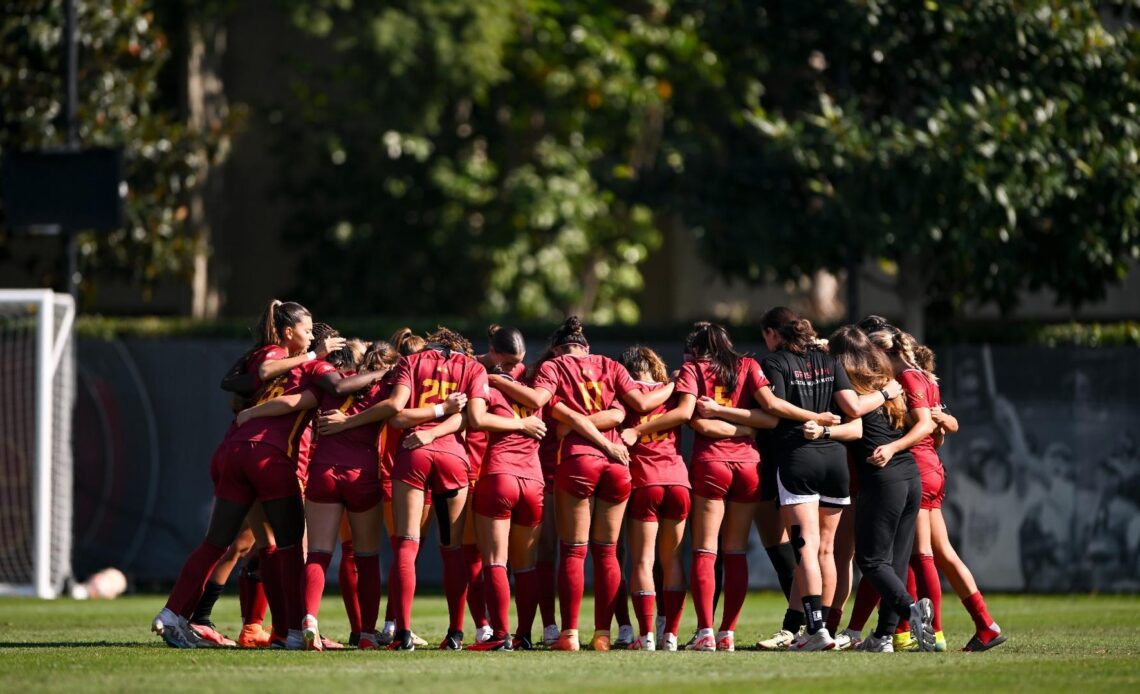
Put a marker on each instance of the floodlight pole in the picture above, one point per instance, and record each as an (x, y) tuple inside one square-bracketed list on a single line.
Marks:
[(70, 103)]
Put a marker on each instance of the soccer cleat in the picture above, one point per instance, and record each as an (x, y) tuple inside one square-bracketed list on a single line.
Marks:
[(387, 634), (625, 637), (295, 641), (921, 617), (659, 631), (669, 643), (904, 642), (452, 642), (402, 641), (643, 643), (780, 641), (491, 644), (484, 633), (939, 642), (253, 636), (980, 641), (855, 636), (276, 643), (876, 644), (843, 642), (311, 633), (725, 641), (819, 641), (418, 641), (354, 638), (174, 630), (210, 637), (704, 641), (368, 641), (522, 642), (567, 641), (550, 635), (601, 641)]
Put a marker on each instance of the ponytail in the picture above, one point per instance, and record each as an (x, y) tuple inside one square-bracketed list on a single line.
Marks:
[(407, 342), (796, 334), (710, 341), (506, 340), (380, 356), (639, 359), (569, 333), (277, 316), (924, 358)]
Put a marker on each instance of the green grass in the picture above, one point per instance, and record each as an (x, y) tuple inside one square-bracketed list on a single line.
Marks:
[(1057, 643)]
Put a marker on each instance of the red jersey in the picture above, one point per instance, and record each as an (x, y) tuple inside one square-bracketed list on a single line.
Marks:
[(921, 392), (698, 379), (389, 438), (351, 448), (655, 460), (476, 441), (511, 453), (587, 384), (289, 432), (548, 447), (432, 377)]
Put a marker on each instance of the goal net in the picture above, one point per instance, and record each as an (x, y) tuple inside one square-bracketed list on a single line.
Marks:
[(37, 397)]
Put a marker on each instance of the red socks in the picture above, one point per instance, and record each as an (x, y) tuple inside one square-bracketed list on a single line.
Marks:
[(928, 584), (735, 588), (251, 597), (368, 599), (912, 588), (643, 606), (544, 574), (976, 605), (292, 563), (866, 598), (674, 604), (192, 579), (704, 585), (315, 568), (476, 601), (349, 585), (607, 580), (571, 583), (403, 588), (455, 585), (274, 590), (526, 599), (498, 592)]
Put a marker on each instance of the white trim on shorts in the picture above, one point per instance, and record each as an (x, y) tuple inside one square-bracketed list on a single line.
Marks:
[(789, 499)]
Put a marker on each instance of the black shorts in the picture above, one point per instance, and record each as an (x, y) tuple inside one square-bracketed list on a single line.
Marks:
[(814, 474)]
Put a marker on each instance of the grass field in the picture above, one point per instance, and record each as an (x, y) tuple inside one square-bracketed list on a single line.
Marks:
[(1057, 643)]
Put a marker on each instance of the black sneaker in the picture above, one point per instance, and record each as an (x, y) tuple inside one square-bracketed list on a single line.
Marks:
[(452, 642), (522, 642), (402, 641)]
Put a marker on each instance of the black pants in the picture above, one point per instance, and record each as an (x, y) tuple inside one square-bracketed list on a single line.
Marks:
[(885, 515)]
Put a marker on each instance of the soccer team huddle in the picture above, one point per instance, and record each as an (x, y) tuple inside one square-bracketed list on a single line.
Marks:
[(828, 446)]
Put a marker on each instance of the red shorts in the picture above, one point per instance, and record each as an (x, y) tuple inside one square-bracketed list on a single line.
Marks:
[(434, 472), (668, 502), (247, 471), (357, 488), (933, 486), (583, 476), (507, 496), (725, 481)]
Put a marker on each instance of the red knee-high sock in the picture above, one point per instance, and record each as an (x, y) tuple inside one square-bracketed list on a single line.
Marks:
[(912, 588), (390, 605), (928, 584), (476, 596), (834, 618), (498, 592), (544, 573), (192, 579), (704, 584), (403, 587), (643, 607), (526, 599), (735, 588), (674, 608), (349, 581), (607, 577), (292, 561), (571, 583), (621, 602), (975, 604), (316, 565), (274, 590), (368, 590), (866, 598), (251, 595), (455, 586)]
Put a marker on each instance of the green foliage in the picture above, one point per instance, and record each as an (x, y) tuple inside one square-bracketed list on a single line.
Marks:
[(121, 55)]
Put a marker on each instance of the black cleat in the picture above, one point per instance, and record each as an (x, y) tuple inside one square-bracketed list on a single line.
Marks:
[(452, 642), (976, 645), (522, 642), (402, 641)]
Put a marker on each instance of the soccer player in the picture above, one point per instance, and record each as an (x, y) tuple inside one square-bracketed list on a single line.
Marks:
[(659, 505), (889, 488), (257, 461)]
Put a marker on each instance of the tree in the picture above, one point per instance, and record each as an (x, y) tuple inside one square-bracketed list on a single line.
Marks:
[(976, 150), (122, 53)]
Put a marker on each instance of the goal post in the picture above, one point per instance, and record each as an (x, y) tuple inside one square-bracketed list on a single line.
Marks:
[(37, 399)]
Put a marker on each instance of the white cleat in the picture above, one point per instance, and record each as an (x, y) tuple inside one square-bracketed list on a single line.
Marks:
[(819, 641), (311, 633), (855, 636), (780, 641), (550, 634), (875, 644), (669, 643), (704, 641), (644, 643), (174, 630), (726, 641), (843, 642), (417, 641), (625, 636), (386, 634), (484, 634), (921, 624)]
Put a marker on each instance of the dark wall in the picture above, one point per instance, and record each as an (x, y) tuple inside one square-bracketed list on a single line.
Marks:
[(1044, 478)]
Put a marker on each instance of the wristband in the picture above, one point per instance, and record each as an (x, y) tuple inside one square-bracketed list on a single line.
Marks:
[(827, 432), (438, 410), (311, 355), (883, 392)]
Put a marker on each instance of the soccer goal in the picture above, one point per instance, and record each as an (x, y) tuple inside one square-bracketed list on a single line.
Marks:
[(37, 397)]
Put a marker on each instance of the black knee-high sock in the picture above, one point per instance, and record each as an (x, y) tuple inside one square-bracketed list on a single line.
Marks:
[(783, 559), (718, 578), (205, 609)]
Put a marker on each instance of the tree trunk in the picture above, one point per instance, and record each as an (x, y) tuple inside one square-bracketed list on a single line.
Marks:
[(912, 295)]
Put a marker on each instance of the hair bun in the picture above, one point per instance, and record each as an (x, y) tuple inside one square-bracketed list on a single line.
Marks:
[(573, 325), (493, 328)]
